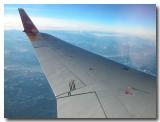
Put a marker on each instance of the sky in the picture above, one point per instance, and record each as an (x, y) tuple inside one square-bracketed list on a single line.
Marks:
[(131, 19)]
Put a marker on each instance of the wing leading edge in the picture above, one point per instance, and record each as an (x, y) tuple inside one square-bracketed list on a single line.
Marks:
[(88, 85)]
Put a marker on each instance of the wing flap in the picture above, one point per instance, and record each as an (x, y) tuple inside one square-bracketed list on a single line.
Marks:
[(76, 106)]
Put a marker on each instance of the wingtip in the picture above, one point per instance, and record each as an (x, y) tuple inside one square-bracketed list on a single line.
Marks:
[(28, 25), (20, 9)]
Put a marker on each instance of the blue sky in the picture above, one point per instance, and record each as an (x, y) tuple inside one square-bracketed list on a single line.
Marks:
[(128, 18)]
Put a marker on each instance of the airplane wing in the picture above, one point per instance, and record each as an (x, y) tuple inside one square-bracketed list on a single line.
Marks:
[(87, 85)]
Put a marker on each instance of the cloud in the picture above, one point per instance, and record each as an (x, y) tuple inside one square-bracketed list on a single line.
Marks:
[(61, 24), (49, 24)]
